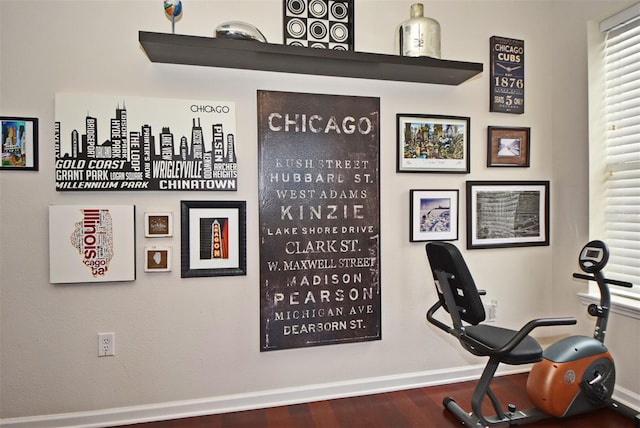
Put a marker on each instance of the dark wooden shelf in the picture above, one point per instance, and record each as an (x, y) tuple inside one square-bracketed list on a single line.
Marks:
[(253, 55)]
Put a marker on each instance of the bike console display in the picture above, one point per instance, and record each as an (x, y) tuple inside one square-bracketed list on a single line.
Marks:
[(593, 257)]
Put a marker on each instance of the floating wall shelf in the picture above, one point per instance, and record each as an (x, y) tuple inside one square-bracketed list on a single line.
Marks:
[(253, 55)]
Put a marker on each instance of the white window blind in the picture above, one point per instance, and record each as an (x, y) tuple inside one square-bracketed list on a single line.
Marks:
[(622, 181)]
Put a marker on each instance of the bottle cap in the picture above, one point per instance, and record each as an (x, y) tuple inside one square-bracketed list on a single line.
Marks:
[(417, 10)]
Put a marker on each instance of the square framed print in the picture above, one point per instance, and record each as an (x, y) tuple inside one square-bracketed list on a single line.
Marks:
[(507, 214), (508, 146), (433, 143), (19, 142), (157, 259), (158, 224), (434, 215), (213, 238), (91, 243), (325, 24)]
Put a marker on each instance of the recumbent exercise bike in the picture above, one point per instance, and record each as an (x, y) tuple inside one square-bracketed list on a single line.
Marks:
[(572, 376)]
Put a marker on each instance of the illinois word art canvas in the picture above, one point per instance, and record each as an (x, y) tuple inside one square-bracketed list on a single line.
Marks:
[(319, 219), (91, 243), (131, 143)]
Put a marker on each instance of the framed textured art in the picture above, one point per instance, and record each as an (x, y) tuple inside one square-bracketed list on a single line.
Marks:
[(19, 143), (507, 214), (326, 24), (91, 243)]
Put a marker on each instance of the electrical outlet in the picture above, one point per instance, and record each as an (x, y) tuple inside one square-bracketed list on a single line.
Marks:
[(106, 344), (491, 310)]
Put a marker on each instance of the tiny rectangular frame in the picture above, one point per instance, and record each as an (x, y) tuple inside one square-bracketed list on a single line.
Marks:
[(434, 215), (19, 142), (508, 146), (158, 259), (433, 143), (158, 224), (213, 238), (507, 214)]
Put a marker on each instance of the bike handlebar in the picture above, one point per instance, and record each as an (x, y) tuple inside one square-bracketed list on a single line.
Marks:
[(606, 281)]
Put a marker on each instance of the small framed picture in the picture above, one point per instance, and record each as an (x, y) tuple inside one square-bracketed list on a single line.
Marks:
[(157, 259), (507, 214), (433, 143), (434, 215), (19, 142), (158, 225), (213, 238), (507, 146)]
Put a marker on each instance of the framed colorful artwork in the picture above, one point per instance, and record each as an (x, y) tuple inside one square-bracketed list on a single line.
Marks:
[(19, 142), (433, 143), (213, 238)]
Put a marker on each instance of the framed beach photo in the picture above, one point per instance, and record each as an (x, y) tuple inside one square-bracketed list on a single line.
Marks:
[(507, 214), (213, 238), (19, 142), (432, 143), (508, 146), (434, 215)]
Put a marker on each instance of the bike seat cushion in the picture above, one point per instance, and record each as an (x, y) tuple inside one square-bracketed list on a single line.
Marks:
[(527, 351)]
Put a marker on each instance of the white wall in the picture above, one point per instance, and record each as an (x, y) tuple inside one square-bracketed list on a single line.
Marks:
[(182, 339)]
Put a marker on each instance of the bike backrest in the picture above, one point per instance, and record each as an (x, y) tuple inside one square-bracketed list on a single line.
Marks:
[(446, 257)]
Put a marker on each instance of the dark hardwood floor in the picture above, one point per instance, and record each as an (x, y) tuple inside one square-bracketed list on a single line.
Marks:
[(414, 408)]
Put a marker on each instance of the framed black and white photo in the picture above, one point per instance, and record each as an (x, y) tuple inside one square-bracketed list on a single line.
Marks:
[(213, 238), (157, 259), (433, 143), (434, 215), (508, 146), (507, 214), (158, 224), (19, 142)]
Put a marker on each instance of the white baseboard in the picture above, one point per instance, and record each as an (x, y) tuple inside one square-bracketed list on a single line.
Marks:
[(269, 398)]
